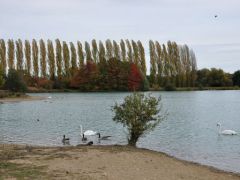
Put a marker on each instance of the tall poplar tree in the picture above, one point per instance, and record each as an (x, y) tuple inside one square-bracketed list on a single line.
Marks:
[(35, 58), (88, 51), (123, 50), (80, 55), (73, 59), (51, 59), (159, 62), (43, 62), (3, 56), (101, 52), (59, 58), (153, 68), (135, 52), (27, 52), (19, 54), (94, 50), (142, 57), (109, 49), (11, 56), (66, 59), (129, 53), (116, 50)]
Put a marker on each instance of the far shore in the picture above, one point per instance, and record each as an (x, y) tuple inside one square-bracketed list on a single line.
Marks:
[(99, 162), (21, 98)]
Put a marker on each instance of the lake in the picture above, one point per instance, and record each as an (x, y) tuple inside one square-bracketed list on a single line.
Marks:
[(188, 133)]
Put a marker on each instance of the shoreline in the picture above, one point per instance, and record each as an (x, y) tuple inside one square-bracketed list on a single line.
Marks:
[(21, 98), (97, 162)]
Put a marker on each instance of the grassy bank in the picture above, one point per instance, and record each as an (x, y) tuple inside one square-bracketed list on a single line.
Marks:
[(98, 162)]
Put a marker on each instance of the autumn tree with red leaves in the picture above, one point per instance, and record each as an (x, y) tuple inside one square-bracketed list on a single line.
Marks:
[(135, 78)]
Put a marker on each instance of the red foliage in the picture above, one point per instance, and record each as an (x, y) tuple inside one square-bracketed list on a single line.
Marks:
[(86, 75), (135, 78), (44, 83)]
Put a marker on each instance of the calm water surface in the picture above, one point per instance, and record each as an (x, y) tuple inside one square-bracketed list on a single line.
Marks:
[(188, 133)]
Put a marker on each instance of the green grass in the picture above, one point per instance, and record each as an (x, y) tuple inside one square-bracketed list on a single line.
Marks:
[(18, 171)]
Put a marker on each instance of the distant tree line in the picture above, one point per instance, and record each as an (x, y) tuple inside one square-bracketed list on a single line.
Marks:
[(99, 65)]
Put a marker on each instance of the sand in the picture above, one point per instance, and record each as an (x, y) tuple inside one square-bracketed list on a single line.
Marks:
[(111, 162), (21, 98)]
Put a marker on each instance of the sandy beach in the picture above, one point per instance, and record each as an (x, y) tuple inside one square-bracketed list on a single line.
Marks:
[(99, 162), (21, 98)]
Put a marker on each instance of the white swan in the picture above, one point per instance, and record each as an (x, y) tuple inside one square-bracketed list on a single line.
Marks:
[(87, 132), (225, 132)]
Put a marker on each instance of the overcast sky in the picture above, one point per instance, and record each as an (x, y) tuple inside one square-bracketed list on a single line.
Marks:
[(216, 41)]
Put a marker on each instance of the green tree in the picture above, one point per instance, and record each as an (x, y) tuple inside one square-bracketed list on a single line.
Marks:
[(159, 63), (11, 49), (27, 51), (109, 49), (153, 68), (19, 54), (236, 78), (66, 59), (15, 82), (51, 59), (139, 114), (1, 76), (73, 59), (88, 51), (102, 52), (3, 61), (59, 58), (80, 55), (95, 50), (142, 58), (116, 50), (135, 53), (129, 53), (35, 58), (123, 51), (43, 62)]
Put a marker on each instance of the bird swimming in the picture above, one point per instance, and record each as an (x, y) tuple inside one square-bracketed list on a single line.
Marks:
[(225, 132), (103, 137), (65, 140), (84, 138)]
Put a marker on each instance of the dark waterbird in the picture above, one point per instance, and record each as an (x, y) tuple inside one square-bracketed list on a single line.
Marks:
[(103, 137), (65, 140)]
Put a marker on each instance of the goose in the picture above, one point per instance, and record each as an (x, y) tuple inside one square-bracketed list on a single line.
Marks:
[(225, 132), (103, 137), (65, 140), (84, 138)]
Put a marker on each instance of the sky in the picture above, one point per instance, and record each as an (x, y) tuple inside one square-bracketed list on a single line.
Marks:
[(216, 41)]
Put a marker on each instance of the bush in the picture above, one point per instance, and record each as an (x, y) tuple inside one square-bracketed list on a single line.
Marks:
[(236, 78), (169, 87), (1, 80), (139, 113), (44, 83), (15, 81)]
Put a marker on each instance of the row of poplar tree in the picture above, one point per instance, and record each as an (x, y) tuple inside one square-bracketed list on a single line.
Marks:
[(170, 63)]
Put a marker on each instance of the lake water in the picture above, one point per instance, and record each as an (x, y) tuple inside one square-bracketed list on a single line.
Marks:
[(189, 132)]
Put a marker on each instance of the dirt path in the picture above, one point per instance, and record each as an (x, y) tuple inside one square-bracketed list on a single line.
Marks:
[(99, 162)]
